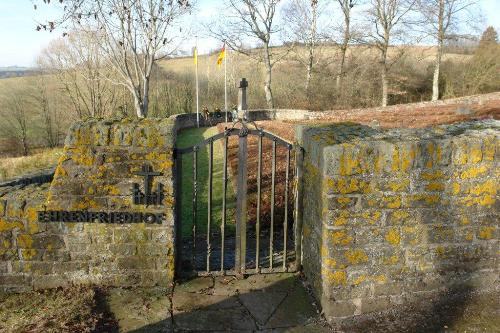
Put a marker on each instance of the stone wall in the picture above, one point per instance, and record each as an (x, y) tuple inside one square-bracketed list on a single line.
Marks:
[(95, 174), (397, 217)]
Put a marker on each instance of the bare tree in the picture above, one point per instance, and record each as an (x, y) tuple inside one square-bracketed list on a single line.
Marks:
[(440, 17), (50, 123), (252, 19), (346, 7), (14, 118), (302, 18), (79, 64), (133, 35), (387, 18)]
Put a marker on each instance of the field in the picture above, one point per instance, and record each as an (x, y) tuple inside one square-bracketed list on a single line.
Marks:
[(11, 167)]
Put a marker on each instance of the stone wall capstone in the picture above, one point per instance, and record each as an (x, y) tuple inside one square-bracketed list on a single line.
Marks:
[(393, 217)]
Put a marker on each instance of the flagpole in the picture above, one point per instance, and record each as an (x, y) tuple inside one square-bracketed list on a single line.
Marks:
[(197, 87), (225, 79)]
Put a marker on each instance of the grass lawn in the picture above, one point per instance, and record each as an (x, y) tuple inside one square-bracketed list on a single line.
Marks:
[(188, 138)]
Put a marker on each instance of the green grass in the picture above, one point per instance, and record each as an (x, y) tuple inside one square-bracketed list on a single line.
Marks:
[(188, 138)]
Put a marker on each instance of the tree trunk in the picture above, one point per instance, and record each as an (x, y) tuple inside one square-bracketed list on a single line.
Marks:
[(25, 145), (384, 86), (312, 39), (383, 67), (343, 50), (145, 100), (440, 40), (267, 82), (138, 107), (435, 79)]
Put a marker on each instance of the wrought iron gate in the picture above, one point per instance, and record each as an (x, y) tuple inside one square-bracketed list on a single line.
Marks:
[(263, 246)]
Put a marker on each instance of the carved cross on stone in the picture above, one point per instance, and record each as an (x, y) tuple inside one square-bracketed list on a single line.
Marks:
[(147, 198)]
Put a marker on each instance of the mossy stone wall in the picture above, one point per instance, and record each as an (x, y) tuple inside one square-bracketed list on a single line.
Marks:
[(391, 217), (95, 173)]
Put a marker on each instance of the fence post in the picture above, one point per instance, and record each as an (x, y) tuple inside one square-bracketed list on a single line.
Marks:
[(241, 199)]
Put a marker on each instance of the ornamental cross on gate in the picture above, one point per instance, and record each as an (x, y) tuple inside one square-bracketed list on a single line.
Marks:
[(148, 197)]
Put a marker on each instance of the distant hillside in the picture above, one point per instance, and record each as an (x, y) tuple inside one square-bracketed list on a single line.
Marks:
[(16, 71)]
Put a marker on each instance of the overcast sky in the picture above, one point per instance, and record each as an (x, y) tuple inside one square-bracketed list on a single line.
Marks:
[(20, 43)]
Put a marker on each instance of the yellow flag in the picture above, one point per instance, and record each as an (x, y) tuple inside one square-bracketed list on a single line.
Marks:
[(221, 56), (195, 55)]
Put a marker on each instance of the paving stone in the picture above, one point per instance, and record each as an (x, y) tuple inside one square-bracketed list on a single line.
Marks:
[(262, 304), (185, 302), (196, 285), (210, 320), (229, 285), (313, 328), (295, 310)]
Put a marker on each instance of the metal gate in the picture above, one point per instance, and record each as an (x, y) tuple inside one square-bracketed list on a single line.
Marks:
[(260, 241)]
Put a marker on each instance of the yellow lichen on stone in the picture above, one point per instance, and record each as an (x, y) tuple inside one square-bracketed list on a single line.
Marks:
[(486, 233), (393, 237), (379, 278), (398, 186), (344, 201), (485, 200), (434, 186), (392, 260), (347, 186), (60, 172), (488, 187), (342, 219), (438, 174), (24, 241), (474, 172), (475, 154), (336, 278), (489, 149), (348, 164), (400, 215), (331, 263), (341, 238), (455, 188), (395, 160), (430, 151), (360, 279), (324, 251), (356, 256), (28, 254), (7, 226), (392, 202)]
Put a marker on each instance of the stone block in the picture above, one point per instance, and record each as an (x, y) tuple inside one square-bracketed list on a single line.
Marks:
[(337, 309), (376, 304), (49, 282), (135, 262)]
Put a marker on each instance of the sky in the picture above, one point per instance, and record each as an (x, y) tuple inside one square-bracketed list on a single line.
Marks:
[(20, 43)]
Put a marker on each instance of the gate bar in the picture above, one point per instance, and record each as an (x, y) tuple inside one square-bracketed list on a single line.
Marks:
[(285, 221), (195, 205), (209, 203), (271, 236), (241, 205), (224, 189), (257, 224)]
